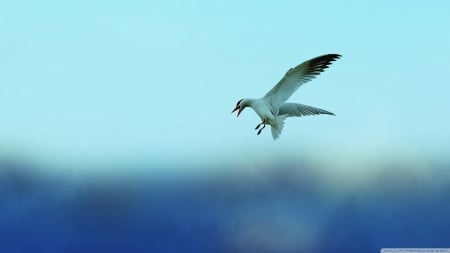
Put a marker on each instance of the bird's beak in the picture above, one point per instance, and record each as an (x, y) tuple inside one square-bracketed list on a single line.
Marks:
[(239, 109)]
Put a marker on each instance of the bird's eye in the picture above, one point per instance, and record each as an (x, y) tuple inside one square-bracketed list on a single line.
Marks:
[(239, 102)]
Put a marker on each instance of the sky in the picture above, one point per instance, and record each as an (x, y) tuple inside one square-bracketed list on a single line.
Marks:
[(116, 130), (157, 80)]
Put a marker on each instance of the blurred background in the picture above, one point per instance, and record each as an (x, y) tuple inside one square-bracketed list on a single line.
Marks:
[(116, 133)]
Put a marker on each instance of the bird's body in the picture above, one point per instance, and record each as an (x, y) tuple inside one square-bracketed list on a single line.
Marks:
[(272, 108), (263, 108)]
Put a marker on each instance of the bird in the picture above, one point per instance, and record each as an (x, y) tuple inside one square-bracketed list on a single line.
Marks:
[(272, 108)]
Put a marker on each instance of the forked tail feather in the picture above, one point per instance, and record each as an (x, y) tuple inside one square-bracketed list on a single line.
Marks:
[(278, 125)]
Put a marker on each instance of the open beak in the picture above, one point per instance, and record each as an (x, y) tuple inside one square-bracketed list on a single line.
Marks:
[(239, 109)]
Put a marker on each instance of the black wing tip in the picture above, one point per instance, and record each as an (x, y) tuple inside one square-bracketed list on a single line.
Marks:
[(326, 113), (328, 57), (324, 60), (333, 55), (336, 55), (320, 63)]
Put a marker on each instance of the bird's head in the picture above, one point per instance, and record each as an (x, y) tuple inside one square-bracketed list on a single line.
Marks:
[(240, 106)]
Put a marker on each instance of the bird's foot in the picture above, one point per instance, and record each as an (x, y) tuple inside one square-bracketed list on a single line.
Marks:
[(264, 125)]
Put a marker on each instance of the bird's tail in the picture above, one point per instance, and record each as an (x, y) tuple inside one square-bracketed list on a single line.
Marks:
[(277, 125)]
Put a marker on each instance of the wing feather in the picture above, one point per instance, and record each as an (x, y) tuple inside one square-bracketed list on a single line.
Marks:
[(297, 76), (298, 110)]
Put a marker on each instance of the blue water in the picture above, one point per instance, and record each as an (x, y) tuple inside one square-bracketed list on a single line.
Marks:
[(282, 209)]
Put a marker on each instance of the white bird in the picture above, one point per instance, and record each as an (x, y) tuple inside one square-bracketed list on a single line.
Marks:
[(272, 108)]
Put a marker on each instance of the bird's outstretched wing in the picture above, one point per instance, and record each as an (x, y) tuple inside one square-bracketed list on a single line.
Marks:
[(297, 76), (298, 110)]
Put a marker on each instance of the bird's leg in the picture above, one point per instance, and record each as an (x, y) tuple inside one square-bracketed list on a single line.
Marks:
[(261, 129), (264, 125)]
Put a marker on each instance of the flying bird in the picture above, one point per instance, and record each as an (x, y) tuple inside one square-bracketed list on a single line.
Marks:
[(272, 108)]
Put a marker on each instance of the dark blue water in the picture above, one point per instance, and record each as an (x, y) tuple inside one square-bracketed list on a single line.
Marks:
[(281, 209)]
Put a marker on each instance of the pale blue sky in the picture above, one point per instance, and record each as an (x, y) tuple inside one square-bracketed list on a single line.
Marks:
[(158, 80)]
